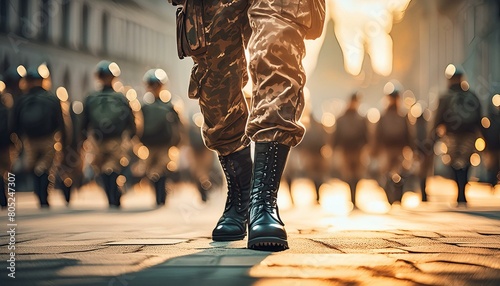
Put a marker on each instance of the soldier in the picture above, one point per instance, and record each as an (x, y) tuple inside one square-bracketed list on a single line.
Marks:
[(306, 160), (162, 130), (69, 173), (38, 121), (392, 137), (4, 144), (9, 93), (203, 169), (351, 137), (274, 33), (109, 123), (458, 122), (491, 133)]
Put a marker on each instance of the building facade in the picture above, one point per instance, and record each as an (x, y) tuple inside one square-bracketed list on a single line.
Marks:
[(72, 36)]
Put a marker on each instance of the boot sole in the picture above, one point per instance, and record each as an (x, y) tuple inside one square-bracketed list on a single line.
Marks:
[(229, 237), (268, 244)]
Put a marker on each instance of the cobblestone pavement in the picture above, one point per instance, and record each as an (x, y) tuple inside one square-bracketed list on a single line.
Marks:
[(87, 244)]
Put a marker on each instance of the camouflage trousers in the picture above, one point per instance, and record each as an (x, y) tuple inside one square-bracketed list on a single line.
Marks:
[(273, 31), (40, 154), (157, 161), (109, 154)]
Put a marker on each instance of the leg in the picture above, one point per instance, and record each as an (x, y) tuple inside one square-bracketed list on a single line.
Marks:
[(41, 189), (217, 81), (461, 177), (161, 194), (276, 52), (237, 168)]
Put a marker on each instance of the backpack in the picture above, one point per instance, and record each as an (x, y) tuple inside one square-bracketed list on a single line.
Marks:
[(109, 113), (463, 112), (160, 124), (37, 116)]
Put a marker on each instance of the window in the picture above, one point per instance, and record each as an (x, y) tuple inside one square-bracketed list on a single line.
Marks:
[(66, 11), (85, 26), (24, 25), (4, 16), (105, 33), (45, 20)]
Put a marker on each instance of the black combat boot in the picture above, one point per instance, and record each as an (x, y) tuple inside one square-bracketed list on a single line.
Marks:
[(238, 170), (161, 193), (111, 189), (41, 189), (266, 231)]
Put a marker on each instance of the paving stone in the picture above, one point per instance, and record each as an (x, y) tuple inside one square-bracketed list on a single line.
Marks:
[(480, 240), (239, 260), (490, 261), (387, 250), (166, 241), (327, 260), (481, 245), (57, 249), (446, 248), (415, 241), (342, 275), (357, 243)]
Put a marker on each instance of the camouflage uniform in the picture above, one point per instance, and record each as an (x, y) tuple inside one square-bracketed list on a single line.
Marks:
[(108, 150), (4, 150), (276, 50), (40, 147)]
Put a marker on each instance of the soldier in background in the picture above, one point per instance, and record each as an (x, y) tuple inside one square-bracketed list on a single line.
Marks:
[(458, 122), (109, 123), (491, 134), (38, 121), (306, 160), (4, 144), (393, 136), (350, 138), (162, 130), (9, 93), (203, 170), (69, 173)]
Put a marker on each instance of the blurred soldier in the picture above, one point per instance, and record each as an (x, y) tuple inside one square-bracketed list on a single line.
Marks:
[(491, 133), (109, 122), (216, 35), (162, 130), (4, 144), (202, 162), (69, 173), (38, 121), (350, 137), (424, 152), (9, 93), (306, 160), (392, 138), (458, 121)]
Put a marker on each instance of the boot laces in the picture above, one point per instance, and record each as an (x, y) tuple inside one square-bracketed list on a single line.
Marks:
[(267, 196), (233, 187)]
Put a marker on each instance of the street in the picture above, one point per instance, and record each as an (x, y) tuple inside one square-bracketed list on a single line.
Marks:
[(87, 244)]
